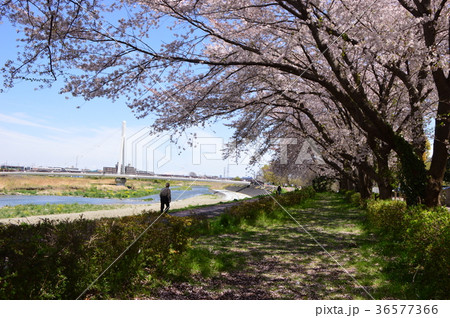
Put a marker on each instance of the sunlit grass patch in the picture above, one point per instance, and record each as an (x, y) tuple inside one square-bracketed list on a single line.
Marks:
[(207, 262)]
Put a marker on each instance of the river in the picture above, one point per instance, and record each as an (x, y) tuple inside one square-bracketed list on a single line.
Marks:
[(12, 200)]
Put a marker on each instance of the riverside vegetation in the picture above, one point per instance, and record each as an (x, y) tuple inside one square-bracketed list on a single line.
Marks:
[(253, 250), (88, 186), (417, 242)]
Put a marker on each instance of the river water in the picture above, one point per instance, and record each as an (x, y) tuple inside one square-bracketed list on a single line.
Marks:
[(12, 200)]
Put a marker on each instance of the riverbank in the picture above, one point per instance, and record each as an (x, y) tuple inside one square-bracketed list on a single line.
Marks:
[(93, 186), (127, 210)]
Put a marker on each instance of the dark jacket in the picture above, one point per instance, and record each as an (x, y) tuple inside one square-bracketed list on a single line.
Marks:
[(165, 194)]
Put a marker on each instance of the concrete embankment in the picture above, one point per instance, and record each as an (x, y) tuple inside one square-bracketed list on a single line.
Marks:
[(252, 190)]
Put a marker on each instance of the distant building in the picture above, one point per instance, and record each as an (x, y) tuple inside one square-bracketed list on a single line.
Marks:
[(114, 170), (130, 170), (71, 170), (109, 170), (13, 168)]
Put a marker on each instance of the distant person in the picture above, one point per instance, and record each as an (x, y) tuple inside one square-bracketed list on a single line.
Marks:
[(279, 190), (165, 197)]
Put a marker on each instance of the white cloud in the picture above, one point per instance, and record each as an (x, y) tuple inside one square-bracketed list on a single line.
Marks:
[(68, 150), (23, 122)]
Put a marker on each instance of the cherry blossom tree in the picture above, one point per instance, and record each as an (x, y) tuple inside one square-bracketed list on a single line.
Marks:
[(294, 128), (382, 66)]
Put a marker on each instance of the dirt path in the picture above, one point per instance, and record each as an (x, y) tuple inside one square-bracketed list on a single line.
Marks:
[(282, 261), (219, 196)]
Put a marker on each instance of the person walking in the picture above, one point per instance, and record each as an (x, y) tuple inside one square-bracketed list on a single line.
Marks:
[(279, 190), (165, 197)]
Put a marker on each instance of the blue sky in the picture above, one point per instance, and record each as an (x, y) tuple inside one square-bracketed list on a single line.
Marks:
[(45, 128)]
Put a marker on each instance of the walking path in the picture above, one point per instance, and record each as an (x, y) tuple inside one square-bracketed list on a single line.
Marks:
[(209, 211), (282, 261)]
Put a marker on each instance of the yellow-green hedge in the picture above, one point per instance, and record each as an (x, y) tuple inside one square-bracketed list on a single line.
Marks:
[(422, 238), (386, 216)]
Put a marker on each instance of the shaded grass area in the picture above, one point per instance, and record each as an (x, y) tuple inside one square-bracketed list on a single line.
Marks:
[(279, 258), (25, 210), (270, 257)]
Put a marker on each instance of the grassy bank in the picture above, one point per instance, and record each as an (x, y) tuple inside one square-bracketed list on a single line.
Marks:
[(94, 192), (309, 249), (275, 256), (26, 210)]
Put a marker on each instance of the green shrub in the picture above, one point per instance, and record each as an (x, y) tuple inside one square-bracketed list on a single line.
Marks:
[(297, 196), (421, 239), (427, 243), (355, 199), (43, 261), (348, 194), (59, 260), (268, 207), (387, 217), (322, 184)]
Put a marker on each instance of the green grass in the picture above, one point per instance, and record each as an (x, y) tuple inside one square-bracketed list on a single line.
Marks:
[(205, 262), (20, 191), (279, 258), (191, 207), (94, 192), (26, 210)]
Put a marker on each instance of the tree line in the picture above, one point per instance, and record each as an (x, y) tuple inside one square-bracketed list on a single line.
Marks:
[(366, 82)]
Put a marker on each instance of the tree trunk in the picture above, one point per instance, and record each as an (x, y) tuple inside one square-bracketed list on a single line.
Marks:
[(413, 176), (442, 130), (440, 151), (364, 184), (345, 184), (385, 191), (384, 174)]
